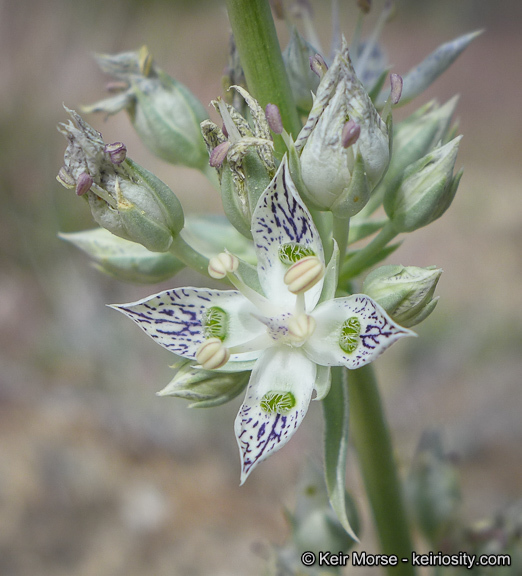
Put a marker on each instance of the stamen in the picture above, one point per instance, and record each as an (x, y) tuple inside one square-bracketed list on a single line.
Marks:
[(222, 264), (301, 327), (212, 354), (304, 274)]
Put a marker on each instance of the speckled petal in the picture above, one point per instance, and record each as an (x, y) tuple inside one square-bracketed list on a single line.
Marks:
[(374, 332), (260, 433), (280, 218), (175, 319)]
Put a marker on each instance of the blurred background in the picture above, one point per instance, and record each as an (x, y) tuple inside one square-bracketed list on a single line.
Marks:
[(98, 476)]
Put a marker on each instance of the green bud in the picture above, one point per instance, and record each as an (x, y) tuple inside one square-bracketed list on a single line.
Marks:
[(432, 489), (205, 388), (344, 145), (124, 198), (243, 157), (164, 112), (406, 293), (303, 81), (415, 136), (124, 260), (426, 191)]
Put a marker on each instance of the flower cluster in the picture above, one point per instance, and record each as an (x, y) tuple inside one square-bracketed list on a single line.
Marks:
[(294, 206)]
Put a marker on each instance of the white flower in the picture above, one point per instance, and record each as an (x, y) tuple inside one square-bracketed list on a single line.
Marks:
[(289, 339)]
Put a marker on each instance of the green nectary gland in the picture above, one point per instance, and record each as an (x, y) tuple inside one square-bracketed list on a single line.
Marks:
[(215, 323), (279, 402), (291, 252), (349, 336)]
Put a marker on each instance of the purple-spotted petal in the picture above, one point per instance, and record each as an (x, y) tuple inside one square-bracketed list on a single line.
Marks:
[(276, 402), (280, 219), (176, 319), (351, 332)]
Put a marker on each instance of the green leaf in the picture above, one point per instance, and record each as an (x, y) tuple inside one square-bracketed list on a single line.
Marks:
[(336, 430), (425, 73)]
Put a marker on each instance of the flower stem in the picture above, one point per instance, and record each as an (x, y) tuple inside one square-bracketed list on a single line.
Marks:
[(258, 47), (341, 229), (359, 261), (374, 449), (190, 257)]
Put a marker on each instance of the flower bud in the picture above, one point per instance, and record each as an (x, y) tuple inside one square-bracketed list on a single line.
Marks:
[(124, 198), (165, 114), (303, 80), (426, 191), (205, 388), (416, 136), (301, 327), (406, 293), (212, 354), (328, 161), (124, 260)]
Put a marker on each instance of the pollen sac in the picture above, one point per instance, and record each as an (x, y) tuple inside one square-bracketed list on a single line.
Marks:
[(83, 184), (222, 264), (301, 327), (212, 354), (117, 152), (278, 402), (304, 274), (349, 337)]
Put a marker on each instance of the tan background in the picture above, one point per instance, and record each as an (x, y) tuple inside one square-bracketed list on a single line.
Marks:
[(100, 477)]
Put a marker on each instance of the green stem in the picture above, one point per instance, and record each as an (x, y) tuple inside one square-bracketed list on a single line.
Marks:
[(189, 256), (371, 436), (341, 229), (258, 47), (359, 261)]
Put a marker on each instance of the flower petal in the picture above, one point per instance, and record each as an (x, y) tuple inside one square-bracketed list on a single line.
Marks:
[(351, 332), (276, 402), (281, 218), (175, 319)]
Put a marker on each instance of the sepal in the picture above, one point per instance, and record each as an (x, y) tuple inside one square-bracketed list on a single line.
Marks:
[(205, 388), (124, 260)]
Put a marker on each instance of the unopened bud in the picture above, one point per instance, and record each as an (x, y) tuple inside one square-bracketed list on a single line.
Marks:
[(304, 274), (83, 184), (301, 327), (212, 354), (117, 152), (273, 117), (318, 65), (396, 88), (222, 264), (350, 134), (426, 191), (406, 293), (218, 154)]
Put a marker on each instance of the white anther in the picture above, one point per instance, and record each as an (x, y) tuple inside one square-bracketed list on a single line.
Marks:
[(304, 274), (222, 264), (212, 354), (301, 327)]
